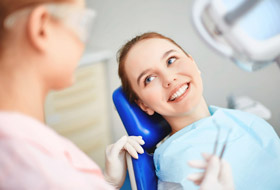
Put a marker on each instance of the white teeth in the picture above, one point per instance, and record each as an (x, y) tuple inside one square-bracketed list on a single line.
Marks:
[(179, 92)]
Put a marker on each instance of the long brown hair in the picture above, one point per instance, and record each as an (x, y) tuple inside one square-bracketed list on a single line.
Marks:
[(121, 58), (9, 6)]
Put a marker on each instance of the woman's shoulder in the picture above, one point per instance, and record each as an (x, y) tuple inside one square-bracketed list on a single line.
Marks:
[(238, 115), (249, 121)]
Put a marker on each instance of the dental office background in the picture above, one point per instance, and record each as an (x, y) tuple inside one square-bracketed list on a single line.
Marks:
[(85, 113)]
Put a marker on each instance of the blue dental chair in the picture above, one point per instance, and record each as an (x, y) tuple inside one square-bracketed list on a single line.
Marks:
[(152, 128)]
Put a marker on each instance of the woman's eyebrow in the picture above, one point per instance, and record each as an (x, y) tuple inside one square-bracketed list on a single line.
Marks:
[(141, 75), (167, 53), (144, 72)]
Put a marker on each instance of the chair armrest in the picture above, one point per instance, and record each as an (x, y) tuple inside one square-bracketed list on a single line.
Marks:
[(131, 172)]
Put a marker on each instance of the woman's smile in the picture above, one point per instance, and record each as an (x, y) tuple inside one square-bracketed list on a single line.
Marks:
[(179, 93)]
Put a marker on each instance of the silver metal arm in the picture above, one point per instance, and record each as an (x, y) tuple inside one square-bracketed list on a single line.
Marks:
[(247, 32)]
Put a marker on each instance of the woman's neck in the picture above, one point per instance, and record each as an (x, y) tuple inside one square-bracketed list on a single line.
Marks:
[(199, 112), (21, 91)]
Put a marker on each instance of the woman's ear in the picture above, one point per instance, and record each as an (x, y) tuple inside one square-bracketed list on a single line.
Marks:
[(144, 107), (38, 24)]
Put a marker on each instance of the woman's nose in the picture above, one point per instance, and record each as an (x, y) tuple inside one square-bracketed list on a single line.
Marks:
[(168, 81)]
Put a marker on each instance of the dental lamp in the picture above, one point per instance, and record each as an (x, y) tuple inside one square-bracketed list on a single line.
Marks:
[(246, 31)]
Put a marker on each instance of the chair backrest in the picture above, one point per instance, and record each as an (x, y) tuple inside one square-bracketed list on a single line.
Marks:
[(152, 128)]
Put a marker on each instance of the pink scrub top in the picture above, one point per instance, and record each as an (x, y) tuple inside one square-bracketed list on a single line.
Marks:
[(33, 156)]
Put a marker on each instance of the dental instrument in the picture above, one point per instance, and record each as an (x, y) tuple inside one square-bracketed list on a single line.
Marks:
[(217, 140)]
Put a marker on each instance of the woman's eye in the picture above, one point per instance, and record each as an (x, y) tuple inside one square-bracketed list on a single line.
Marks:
[(171, 60), (149, 79)]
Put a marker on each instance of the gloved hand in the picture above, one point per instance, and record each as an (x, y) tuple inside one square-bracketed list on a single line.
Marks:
[(217, 174), (115, 166)]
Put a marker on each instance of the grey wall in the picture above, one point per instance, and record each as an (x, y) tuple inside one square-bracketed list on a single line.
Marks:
[(119, 20)]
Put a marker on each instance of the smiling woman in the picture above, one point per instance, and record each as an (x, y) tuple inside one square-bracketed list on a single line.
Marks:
[(165, 77), (166, 80)]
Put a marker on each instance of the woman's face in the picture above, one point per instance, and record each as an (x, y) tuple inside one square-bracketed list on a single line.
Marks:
[(166, 80), (65, 51)]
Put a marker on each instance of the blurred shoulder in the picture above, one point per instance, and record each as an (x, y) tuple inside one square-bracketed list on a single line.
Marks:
[(240, 116)]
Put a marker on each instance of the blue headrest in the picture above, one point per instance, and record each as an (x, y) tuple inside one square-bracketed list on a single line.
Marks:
[(137, 123)]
